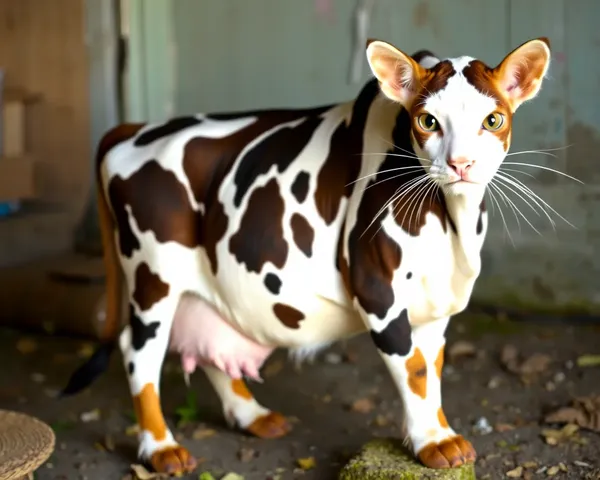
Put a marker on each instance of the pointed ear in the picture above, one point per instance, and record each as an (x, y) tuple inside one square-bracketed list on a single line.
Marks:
[(520, 74), (398, 74)]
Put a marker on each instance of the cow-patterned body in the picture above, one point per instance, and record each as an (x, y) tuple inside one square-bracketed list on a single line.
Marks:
[(241, 233)]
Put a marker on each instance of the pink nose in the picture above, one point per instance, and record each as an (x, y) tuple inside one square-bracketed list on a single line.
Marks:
[(460, 165)]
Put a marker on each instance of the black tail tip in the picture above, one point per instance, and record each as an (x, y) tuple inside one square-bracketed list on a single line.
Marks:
[(85, 375)]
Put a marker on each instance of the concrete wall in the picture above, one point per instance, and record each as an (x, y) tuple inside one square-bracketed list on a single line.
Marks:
[(218, 55)]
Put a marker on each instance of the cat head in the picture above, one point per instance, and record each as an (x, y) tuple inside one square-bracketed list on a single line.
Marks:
[(461, 109)]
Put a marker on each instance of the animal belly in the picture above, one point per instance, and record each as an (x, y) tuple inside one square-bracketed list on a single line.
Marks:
[(203, 337)]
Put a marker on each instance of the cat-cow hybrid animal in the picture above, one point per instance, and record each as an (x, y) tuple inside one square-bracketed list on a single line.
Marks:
[(240, 233)]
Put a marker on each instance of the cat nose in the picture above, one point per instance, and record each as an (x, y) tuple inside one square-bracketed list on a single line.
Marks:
[(460, 165)]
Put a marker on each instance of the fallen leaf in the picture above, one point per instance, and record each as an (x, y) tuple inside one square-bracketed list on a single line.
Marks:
[(510, 357), (306, 463), (529, 464), (362, 405), (588, 361), (141, 473), (536, 363), (461, 348), (583, 411), (554, 437), (246, 454), (381, 421), (201, 433), (503, 427), (132, 430), (232, 476), (109, 443), (206, 476), (552, 471), (91, 416), (515, 473), (26, 345)]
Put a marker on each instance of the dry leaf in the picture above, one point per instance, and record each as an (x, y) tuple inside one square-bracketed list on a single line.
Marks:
[(503, 427), (536, 363), (26, 345), (510, 358), (362, 405), (461, 348), (552, 471), (142, 474), (90, 416), (132, 430), (583, 411), (232, 476), (515, 473), (381, 421), (246, 454), (529, 465), (588, 361), (109, 443), (554, 437), (306, 463), (201, 433)]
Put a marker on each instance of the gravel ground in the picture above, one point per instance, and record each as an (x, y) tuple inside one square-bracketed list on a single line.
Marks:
[(500, 381)]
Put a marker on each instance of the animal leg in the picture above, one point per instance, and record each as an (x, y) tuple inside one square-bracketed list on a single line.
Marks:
[(143, 344), (414, 357), (242, 410)]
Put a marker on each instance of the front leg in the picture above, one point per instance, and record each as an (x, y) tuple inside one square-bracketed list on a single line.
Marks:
[(414, 356)]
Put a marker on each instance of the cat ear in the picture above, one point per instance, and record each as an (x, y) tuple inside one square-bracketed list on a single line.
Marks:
[(520, 74), (398, 74)]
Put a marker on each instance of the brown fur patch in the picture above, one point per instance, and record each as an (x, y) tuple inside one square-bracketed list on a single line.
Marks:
[(439, 362), (260, 236), (442, 418), (148, 412), (175, 460), (453, 452), (166, 211), (149, 288), (417, 373), (240, 389), (289, 316), (303, 233)]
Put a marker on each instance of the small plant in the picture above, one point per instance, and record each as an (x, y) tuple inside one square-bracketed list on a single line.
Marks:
[(189, 412)]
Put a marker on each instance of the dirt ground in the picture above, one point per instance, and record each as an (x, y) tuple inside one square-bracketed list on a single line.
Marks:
[(337, 404)]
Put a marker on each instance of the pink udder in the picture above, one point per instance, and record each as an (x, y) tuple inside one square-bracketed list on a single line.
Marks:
[(203, 337)]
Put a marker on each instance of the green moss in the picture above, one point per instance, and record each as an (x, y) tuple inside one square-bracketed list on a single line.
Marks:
[(386, 459)]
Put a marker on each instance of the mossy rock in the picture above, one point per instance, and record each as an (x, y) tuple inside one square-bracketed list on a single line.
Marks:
[(386, 459)]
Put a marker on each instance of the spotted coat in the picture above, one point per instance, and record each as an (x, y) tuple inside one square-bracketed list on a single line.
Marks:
[(239, 233)]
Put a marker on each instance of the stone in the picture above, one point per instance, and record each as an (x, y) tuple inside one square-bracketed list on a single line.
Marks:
[(387, 459)]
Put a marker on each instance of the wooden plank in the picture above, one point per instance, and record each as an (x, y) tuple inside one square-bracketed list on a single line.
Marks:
[(17, 179)]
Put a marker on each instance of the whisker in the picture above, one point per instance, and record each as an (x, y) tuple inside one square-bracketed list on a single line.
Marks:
[(386, 179), (539, 150), (501, 214), (545, 168), (509, 204), (409, 167), (519, 211), (516, 171)]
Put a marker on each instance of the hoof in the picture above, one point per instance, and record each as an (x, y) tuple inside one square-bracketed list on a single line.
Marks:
[(272, 425), (450, 453), (174, 460)]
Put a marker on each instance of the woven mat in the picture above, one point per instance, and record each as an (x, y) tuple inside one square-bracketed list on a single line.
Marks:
[(25, 443)]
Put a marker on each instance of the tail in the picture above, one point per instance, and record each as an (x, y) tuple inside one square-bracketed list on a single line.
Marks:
[(98, 363)]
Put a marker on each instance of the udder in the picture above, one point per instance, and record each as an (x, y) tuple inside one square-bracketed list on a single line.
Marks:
[(202, 337)]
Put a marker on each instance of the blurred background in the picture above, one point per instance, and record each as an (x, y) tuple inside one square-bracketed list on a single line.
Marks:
[(71, 69)]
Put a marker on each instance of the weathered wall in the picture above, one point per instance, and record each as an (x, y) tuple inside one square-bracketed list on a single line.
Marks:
[(266, 53)]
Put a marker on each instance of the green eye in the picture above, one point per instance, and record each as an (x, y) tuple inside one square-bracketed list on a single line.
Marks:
[(493, 122), (428, 122)]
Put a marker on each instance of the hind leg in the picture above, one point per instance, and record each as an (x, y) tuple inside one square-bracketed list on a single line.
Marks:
[(144, 344), (241, 409)]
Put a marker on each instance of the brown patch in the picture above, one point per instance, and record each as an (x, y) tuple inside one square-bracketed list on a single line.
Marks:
[(289, 316), (271, 425), (113, 137), (439, 362), (442, 418), (342, 165), (260, 236), (149, 288), (304, 234), (175, 460), (450, 453), (148, 412), (417, 373), (239, 388), (483, 78), (166, 212)]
